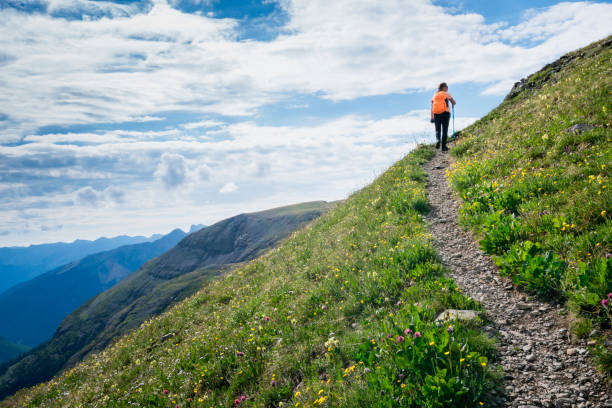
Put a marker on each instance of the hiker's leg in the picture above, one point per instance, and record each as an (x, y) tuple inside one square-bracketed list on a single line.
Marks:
[(445, 120), (438, 124)]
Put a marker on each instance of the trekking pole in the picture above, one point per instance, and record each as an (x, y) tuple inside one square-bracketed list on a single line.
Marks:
[(453, 109)]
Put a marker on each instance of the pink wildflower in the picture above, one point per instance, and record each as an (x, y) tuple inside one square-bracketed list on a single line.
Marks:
[(417, 334), (407, 331), (605, 302), (400, 339), (166, 392)]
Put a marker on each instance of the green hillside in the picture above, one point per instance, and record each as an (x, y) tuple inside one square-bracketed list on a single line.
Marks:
[(340, 314), (534, 175), (157, 285)]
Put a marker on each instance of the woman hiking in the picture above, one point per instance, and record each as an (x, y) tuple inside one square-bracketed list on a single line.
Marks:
[(440, 113)]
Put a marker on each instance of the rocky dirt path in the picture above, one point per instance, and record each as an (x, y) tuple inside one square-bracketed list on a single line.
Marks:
[(542, 367)]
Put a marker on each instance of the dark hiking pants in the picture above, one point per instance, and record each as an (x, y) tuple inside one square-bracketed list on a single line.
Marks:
[(441, 121)]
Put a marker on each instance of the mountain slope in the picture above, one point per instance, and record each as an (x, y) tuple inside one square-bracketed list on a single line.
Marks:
[(534, 176), (19, 264), (31, 311), (159, 283), (342, 313), (9, 349)]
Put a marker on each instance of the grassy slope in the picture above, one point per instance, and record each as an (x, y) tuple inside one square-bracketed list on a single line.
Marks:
[(157, 285), (539, 195), (327, 319)]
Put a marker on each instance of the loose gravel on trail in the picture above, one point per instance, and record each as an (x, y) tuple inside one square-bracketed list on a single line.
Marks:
[(542, 366)]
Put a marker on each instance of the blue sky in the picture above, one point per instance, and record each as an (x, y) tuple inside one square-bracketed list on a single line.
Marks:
[(138, 117)]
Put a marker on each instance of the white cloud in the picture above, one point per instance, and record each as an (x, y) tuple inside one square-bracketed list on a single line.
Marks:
[(228, 188), (172, 170), (261, 169), (128, 67), (203, 172), (202, 124), (88, 196)]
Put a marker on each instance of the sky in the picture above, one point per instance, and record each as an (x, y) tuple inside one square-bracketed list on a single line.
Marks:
[(137, 117)]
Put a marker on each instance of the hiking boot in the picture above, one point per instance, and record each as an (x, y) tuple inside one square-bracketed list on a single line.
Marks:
[(444, 148), (438, 145)]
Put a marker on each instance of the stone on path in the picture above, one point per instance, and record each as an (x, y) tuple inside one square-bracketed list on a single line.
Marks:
[(456, 314)]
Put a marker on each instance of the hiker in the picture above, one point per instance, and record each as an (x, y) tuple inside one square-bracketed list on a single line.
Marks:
[(440, 113)]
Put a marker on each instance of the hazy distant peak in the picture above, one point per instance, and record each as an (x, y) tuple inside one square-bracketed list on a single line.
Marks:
[(196, 227)]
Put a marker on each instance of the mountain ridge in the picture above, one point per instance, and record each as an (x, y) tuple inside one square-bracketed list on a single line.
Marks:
[(158, 283), (22, 263), (31, 311)]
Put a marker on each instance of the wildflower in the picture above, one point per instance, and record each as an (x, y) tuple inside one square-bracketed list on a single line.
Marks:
[(273, 383), (239, 353), (400, 339), (189, 399), (389, 336), (605, 302), (432, 343), (450, 329), (236, 401), (608, 255), (166, 392), (483, 364), (609, 295), (603, 213), (323, 307), (267, 318), (242, 398), (407, 331), (417, 334)]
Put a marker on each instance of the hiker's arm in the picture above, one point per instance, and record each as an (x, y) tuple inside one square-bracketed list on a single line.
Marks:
[(431, 110), (452, 101)]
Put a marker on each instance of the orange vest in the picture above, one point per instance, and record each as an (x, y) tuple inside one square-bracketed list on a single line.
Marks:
[(439, 102)]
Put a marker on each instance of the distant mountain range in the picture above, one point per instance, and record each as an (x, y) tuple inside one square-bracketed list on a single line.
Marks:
[(157, 285), (19, 264), (31, 311)]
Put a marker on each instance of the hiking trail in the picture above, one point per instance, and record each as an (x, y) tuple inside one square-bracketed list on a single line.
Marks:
[(542, 366)]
